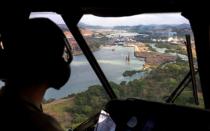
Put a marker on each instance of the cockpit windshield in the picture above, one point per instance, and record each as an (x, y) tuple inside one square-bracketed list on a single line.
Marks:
[(143, 56)]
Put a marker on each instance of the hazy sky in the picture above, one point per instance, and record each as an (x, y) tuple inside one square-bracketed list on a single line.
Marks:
[(146, 19)]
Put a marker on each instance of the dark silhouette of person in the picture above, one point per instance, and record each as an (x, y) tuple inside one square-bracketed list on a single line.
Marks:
[(34, 62)]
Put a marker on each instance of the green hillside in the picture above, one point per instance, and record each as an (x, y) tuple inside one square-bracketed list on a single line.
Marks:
[(155, 86)]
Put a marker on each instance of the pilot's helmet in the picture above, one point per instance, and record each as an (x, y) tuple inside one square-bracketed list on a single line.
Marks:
[(39, 52)]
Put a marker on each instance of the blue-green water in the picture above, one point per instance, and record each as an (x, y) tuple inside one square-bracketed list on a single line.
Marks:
[(112, 62)]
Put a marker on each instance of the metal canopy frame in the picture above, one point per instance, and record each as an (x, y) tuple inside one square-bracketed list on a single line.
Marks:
[(72, 25), (202, 49), (73, 12), (199, 20)]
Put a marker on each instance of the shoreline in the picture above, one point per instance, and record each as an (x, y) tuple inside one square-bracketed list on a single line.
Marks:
[(152, 59)]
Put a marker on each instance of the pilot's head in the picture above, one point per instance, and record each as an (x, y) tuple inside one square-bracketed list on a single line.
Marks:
[(36, 55)]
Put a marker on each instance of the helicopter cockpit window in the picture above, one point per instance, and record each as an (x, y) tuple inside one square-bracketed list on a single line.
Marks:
[(82, 96), (145, 56)]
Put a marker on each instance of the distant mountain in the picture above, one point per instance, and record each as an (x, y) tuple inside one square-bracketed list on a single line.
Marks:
[(139, 27), (181, 29), (83, 25), (184, 26), (153, 27)]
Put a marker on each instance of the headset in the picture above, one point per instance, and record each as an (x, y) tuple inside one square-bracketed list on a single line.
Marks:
[(57, 72)]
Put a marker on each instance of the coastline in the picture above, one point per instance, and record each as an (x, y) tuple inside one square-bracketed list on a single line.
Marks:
[(152, 59)]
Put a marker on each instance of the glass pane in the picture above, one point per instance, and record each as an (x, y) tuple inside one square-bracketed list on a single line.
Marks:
[(143, 56), (82, 96)]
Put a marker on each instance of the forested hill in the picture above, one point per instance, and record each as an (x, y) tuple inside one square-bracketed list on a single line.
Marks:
[(155, 86), (180, 29)]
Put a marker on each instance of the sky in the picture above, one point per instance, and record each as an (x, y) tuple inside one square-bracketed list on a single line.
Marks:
[(145, 19), (53, 16)]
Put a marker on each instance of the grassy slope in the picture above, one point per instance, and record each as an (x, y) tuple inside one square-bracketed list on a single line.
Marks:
[(57, 109)]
